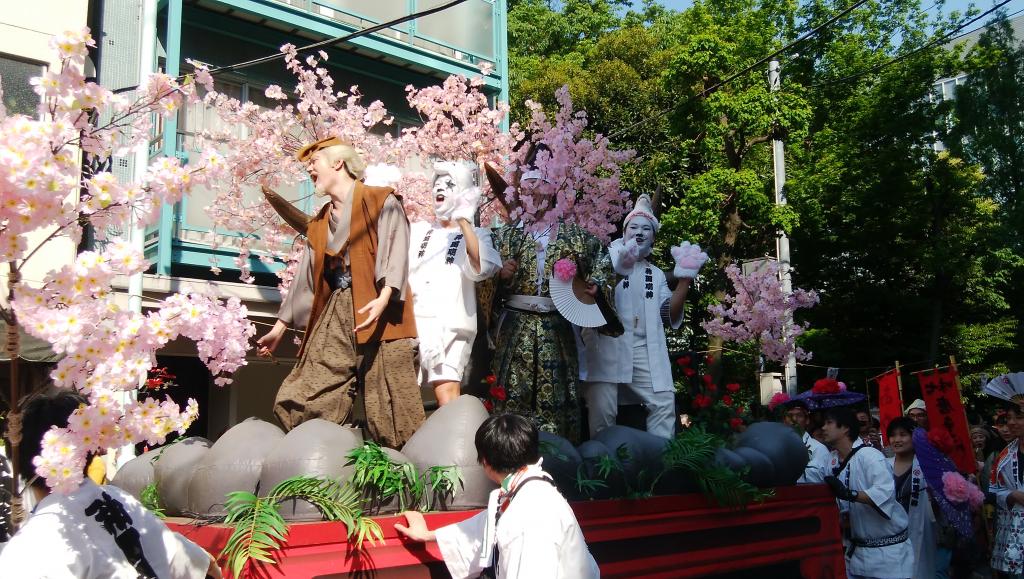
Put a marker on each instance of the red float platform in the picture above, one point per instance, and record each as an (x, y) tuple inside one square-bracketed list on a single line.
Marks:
[(794, 534)]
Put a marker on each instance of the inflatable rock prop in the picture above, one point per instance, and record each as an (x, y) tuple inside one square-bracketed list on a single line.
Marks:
[(315, 448), (173, 471), (639, 452), (233, 463), (762, 471), (593, 453), (562, 461), (447, 438), (783, 447), (136, 474)]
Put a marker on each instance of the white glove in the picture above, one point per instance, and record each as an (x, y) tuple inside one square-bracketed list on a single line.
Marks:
[(466, 204), (689, 259), (624, 255)]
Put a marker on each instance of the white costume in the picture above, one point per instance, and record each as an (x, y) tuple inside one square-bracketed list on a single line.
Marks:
[(442, 278), (100, 532), (877, 543), (443, 284), (537, 536), (1008, 547), (818, 464), (923, 532), (635, 366)]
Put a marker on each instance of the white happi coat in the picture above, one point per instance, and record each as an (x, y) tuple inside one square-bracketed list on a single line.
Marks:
[(537, 537), (1008, 546), (819, 462), (610, 359), (923, 532), (444, 294), (61, 540), (869, 472)]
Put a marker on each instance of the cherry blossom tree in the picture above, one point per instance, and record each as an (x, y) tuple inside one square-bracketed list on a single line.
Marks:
[(759, 309), (107, 349), (581, 174), (459, 124)]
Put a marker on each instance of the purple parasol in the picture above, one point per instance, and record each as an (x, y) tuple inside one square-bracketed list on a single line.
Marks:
[(825, 401)]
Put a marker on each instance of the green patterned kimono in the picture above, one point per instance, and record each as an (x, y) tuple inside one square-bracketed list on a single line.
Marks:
[(535, 355)]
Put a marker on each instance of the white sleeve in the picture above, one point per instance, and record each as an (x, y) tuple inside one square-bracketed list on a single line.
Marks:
[(41, 550), (490, 261), (462, 545), (998, 486), (879, 483)]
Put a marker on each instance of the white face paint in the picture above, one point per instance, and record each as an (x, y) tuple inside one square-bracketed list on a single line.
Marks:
[(444, 196), (641, 230)]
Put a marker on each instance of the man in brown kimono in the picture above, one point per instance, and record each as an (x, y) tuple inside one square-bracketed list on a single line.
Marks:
[(352, 288)]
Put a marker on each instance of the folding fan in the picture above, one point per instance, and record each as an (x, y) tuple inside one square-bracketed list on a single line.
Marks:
[(1009, 387), (574, 303)]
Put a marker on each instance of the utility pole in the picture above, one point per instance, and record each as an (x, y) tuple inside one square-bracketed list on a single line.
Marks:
[(782, 240)]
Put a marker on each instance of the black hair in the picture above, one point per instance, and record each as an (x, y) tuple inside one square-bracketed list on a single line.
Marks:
[(1013, 407), (40, 411), (876, 422), (901, 423), (797, 404), (507, 442), (843, 416)]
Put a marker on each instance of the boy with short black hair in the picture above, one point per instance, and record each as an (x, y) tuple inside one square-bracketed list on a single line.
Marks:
[(874, 524), (528, 529)]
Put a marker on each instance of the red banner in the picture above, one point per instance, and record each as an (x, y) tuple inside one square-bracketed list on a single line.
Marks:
[(941, 392), (890, 404)]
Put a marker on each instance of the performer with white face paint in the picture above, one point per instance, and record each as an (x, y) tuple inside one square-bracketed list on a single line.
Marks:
[(446, 259), (635, 366)]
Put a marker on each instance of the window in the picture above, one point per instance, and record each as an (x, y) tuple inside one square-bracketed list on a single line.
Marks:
[(19, 98)]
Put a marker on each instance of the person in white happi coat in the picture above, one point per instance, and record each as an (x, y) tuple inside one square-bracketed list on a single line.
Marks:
[(913, 494), (447, 257), (528, 530), (819, 458), (635, 366), (1007, 484), (875, 533), (94, 531)]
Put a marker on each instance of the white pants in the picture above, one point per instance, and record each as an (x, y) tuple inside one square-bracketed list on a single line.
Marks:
[(450, 362), (603, 399)]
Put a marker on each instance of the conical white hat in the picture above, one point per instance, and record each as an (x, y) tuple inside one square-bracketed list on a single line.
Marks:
[(642, 208)]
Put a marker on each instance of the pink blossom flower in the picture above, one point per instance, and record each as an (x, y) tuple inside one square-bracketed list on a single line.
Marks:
[(957, 489), (565, 269)]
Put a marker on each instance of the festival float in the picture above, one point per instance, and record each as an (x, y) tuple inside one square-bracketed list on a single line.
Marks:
[(321, 500)]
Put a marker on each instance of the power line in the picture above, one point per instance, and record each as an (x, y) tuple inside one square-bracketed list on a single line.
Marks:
[(322, 43), (935, 42), (760, 62)]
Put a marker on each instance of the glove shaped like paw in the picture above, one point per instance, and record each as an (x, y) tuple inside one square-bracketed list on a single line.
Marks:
[(466, 204), (624, 254), (689, 259)]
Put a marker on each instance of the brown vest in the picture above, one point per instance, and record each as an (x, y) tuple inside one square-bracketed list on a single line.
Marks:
[(396, 321)]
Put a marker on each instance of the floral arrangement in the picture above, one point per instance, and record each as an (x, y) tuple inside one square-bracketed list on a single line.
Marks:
[(720, 410), (496, 393), (959, 490), (826, 386), (778, 399), (759, 310), (565, 269)]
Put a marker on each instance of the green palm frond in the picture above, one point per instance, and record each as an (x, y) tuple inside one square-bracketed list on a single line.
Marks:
[(692, 449), (586, 485), (259, 528), (150, 498), (727, 487), (380, 479)]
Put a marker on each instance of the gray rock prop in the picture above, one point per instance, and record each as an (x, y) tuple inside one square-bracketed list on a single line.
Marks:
[(315, 448), (728, 458), (562, 461), (783, 447), (447, 438), (640, 454), (136, 474), (762, 471), (233, 463), (592, 454), (173, 472)]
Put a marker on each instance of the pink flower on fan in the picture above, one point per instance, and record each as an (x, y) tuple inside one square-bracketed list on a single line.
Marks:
[(959, 490), (565, 269), (777, 399)]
